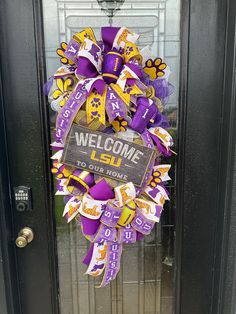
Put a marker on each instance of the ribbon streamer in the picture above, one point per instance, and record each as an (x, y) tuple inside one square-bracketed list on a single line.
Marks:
[(95, 106)]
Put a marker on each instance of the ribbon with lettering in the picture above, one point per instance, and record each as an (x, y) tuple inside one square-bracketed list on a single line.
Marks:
[(69, 111), (115, 106)]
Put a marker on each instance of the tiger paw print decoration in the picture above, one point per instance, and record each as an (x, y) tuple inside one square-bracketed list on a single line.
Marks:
[(154, 68)]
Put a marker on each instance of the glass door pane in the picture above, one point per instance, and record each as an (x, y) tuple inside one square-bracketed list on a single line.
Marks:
[(145, 283)]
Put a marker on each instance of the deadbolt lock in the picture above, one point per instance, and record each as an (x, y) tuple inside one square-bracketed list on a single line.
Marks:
[(25, 236)]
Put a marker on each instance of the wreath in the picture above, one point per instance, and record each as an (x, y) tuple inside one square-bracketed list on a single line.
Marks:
[(110, 134)]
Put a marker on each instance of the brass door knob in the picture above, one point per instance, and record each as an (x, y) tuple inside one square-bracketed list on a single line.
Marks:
[(25, 236)]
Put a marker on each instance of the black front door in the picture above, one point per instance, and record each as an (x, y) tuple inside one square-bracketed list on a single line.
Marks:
[(173, 269)]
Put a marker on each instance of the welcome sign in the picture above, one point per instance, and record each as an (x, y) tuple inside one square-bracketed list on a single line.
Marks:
[(106, 155)]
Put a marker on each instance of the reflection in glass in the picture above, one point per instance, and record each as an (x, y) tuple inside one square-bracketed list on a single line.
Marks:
[(110, 7)]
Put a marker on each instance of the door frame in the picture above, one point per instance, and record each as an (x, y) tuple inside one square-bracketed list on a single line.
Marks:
[(28, 17), (204, 229)]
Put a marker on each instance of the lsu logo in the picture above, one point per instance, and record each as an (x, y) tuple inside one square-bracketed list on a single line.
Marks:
[(106, 159)]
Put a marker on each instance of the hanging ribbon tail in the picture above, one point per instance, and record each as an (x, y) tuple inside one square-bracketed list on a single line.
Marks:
[(69, 111), (105, 233), (95, 106), (124, 95), (95, 125), (114, 252), (111, 215), (98, 259), (88, 257), (115, 106)]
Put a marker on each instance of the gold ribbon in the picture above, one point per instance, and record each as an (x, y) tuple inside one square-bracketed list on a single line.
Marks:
[(95, 106), (125, 95), (80, 179), (131, 52), (86, 33)]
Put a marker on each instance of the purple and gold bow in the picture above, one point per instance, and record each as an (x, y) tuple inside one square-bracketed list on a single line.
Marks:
[(106, 77)]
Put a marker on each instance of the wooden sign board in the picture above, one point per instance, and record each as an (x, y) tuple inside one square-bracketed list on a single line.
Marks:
[(106, 155)]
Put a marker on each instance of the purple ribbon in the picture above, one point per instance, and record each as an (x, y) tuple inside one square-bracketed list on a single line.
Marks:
[(145, 111), (69, 111), (72, 50), (108, 35), (99, 85), (160, 120), (115, 106), (101, 191), (161, 149), (141, 224), (85, 68), (113, 263), (105, 233), (163, 89), (88, 257), (47, 86), (149, 143)]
